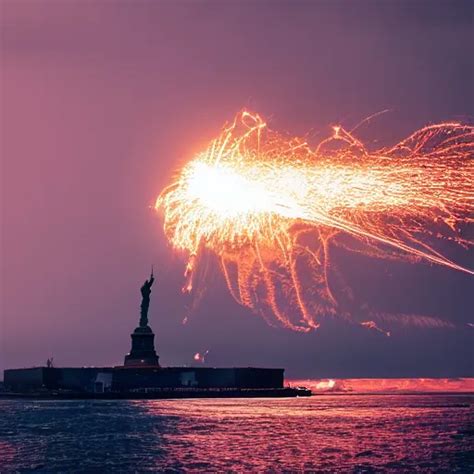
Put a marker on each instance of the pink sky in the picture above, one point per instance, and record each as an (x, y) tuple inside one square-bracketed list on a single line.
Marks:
[(102, 101)]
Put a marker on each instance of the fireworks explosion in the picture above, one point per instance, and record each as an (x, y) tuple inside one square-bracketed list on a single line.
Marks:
[(270, 208), (200, 357)]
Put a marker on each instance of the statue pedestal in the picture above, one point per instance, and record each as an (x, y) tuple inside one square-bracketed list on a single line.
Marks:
[(143, 349)]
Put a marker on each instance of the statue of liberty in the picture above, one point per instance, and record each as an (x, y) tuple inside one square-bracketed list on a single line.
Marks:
[(143, 352), (146, 290)]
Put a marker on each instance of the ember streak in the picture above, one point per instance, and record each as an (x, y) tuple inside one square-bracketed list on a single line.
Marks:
[(270, 207)]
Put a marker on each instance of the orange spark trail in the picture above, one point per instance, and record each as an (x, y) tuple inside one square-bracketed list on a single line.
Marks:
[(270, 207)]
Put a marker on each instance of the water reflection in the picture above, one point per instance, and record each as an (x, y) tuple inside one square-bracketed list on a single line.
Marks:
[(330, 432)]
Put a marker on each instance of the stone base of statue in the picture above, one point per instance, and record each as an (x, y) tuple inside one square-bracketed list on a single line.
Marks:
[(143, 349)]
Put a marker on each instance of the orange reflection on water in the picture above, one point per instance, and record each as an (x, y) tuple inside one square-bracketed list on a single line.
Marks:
[(397, 385), (343, 433)]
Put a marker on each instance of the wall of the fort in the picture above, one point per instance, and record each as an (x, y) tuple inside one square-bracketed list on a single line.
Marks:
[(53, 378), (200, 377), (81, 379), (92, 379), (24, 379)]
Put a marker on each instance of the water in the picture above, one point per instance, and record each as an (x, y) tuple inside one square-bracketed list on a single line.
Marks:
[(344, 433)]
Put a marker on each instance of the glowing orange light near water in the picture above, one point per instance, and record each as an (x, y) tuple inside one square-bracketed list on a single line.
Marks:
[(270, 207), (200, 357)]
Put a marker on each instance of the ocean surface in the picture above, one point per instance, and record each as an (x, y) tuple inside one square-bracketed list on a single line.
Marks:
[(343, 433)]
